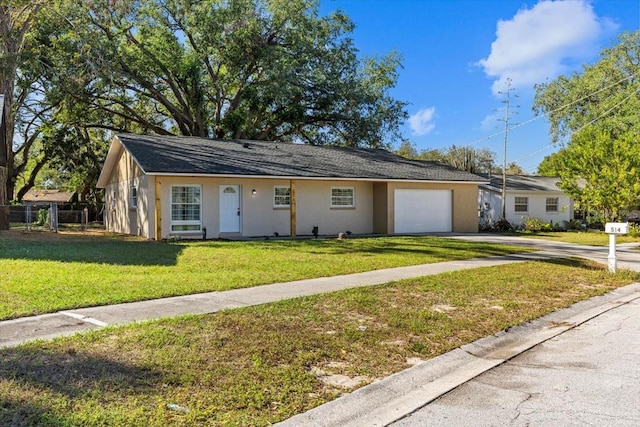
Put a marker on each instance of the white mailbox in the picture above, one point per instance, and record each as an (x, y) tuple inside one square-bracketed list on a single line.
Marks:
[(613, 229), (617, 228)]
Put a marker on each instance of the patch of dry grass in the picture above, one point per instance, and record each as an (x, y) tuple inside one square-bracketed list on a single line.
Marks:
[(259, 365)]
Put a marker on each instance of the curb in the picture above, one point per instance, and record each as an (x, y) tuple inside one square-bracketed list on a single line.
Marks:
[(393, 398)]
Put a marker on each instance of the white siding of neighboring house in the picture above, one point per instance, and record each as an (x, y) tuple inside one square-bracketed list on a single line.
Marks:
[(536, 206)]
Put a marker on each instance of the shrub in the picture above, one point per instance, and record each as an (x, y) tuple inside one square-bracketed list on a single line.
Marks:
[(536, 224), (533, 224), (502, 225), (42, 216), (573, 225)]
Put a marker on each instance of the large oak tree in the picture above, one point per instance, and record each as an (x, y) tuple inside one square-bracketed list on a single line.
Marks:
[(255, 69)]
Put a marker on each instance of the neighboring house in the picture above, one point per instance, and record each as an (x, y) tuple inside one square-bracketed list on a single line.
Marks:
[(527, 197), (164, 186), (45, 197)]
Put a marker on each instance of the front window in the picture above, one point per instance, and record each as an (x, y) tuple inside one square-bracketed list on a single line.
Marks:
[(282, 197), (522, 204), (133, 196), (342, 197), (185, 208), (552, 204)]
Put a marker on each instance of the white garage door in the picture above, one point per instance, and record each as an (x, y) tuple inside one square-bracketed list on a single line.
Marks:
[(423, 211)]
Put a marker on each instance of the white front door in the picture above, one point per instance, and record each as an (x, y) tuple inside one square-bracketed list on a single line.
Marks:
[(230, 209)]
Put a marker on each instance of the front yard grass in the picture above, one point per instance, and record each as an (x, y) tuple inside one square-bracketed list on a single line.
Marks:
[(260, 365), (46, 272)]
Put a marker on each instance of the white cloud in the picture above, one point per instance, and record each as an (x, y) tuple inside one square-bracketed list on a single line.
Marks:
[(492, 122), (422, 122), (543, 42)]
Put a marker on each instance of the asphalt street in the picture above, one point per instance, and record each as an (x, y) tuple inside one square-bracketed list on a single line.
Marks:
[(587, 376)]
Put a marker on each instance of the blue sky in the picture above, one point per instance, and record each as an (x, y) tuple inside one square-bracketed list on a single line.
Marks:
[(457, 55)]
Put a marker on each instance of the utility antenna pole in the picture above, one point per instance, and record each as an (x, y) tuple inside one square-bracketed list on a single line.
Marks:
[(507, 116)]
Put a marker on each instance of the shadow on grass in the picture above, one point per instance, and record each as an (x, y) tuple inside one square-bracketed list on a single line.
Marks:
[(437, 247), (123, 251), (39, 382), (89, 249), (572, 262)]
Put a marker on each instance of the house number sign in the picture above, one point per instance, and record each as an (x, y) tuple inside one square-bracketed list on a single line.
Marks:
[(613, 229), (617, 228)]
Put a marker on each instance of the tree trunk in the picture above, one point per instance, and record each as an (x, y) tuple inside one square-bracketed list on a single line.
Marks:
[(4, 208)]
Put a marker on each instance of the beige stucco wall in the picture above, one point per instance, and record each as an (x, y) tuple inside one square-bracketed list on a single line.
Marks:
[(259, 217), (314, 208), (373, 211), (464, 203), (119, 215)]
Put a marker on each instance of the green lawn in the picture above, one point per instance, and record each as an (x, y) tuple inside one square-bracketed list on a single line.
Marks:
[(591, 238), (260, 365), (45, 272)]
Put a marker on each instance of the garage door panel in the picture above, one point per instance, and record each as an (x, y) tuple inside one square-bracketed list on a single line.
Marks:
[(422, 211)]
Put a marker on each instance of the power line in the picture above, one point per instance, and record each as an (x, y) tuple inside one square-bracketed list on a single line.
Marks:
[(568, 137), (551, 112)]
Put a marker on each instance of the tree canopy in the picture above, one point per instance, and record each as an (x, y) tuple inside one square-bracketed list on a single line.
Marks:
[(603, 94), (596, 112), (254, 69), (474, 160), (601, 172)]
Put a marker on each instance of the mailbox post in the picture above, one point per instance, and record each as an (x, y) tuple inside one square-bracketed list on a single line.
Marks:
[(613, 229)]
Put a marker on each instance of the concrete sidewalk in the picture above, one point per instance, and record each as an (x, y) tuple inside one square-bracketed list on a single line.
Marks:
[(68, 322), (392, 398)]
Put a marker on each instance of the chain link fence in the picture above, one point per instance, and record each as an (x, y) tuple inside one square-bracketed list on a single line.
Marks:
[(48, 217)]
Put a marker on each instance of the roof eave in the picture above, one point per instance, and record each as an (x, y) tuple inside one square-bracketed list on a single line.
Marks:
[(313, 178), (113, 155)]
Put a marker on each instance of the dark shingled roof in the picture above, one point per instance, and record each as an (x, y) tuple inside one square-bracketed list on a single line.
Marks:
[(525, 183), (182, 155)]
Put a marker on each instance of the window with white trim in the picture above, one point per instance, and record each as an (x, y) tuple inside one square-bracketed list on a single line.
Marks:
[(186, 208), (343, 197), (521, 204), (281, 197), (133, 197), (552, 204)]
